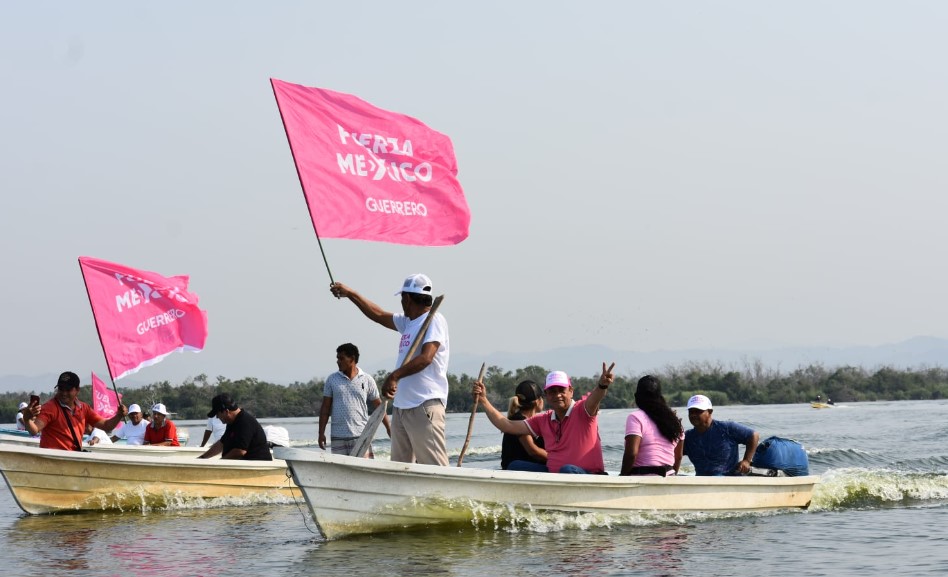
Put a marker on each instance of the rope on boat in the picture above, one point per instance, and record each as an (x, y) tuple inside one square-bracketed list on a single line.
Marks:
[(289, 485)]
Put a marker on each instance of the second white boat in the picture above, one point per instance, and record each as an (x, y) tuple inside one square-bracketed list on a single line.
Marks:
[(349, 495)]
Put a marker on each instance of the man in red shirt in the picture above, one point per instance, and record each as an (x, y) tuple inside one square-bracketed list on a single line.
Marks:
[(63, 418), (161, 431)]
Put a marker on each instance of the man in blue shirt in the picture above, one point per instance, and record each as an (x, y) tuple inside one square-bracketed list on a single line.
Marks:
[(712, 445)]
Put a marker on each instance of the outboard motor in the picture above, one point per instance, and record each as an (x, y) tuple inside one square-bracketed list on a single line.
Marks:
[(776, 455)]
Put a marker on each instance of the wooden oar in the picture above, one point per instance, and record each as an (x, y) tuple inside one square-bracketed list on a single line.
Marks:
[(470, 424), (372, 425)]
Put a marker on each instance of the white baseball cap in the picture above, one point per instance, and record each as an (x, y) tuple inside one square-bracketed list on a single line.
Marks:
[(134, 408), (416, 283), (23, 405), (699, 402), (160, 408)]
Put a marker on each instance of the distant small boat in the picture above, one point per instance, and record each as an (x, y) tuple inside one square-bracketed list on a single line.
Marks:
[(53, 481), (14, 432), (817, 405), (17, 437), (349, 495)]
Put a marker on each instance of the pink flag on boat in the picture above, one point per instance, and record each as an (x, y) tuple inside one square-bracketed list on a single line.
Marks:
[(104, 400), (141, 316), (369, 173)]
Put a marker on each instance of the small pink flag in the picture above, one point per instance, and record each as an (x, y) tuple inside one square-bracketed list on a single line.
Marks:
[(104, 400), (369, 173), (142, 317)]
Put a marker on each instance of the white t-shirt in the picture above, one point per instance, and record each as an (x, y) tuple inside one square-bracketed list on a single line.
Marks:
[(217, 428), (98, 434), (133, 434), (431, 383), (20, 425)]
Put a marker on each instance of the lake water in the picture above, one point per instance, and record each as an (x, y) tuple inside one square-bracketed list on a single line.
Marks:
[(881, 509)]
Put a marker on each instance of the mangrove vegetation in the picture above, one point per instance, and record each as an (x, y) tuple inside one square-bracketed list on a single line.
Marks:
[(753, 384)]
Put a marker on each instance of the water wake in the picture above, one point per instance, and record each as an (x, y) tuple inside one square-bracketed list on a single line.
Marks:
[(858, 488)]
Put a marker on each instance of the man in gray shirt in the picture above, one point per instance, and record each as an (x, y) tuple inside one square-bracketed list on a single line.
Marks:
[(346, 398)]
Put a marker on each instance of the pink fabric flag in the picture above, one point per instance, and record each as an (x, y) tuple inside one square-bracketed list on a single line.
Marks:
[(369, 173), (104, 400), (142, 317)]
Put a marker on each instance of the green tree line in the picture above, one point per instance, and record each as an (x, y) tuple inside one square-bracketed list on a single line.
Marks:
[(753, 384)]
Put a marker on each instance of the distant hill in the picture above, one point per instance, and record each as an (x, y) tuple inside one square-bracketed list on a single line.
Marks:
[(586, 360)]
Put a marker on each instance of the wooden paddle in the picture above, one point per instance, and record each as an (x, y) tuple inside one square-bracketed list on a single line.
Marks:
[(470, 424), (372, 425)]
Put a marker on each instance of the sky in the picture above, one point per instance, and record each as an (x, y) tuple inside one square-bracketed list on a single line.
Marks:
[(645, 176)]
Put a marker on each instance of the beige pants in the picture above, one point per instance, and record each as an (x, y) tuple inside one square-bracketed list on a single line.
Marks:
[(418, 434)]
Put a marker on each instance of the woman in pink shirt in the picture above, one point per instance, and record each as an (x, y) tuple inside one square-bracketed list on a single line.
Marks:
[(653, 433)]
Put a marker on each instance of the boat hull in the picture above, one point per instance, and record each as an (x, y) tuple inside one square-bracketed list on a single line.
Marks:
[(51, 481), (348, 495)]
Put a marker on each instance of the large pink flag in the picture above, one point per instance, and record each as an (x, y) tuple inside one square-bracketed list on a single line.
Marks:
[(369, 173), (142, 317), (104, 400)]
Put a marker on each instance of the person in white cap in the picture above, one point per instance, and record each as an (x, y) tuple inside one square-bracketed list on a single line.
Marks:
[(161, 431), (133, 432), (570, 431), (419, 387), (711, 445), (20, 425)]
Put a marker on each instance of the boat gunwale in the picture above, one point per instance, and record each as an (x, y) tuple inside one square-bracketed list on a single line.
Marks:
[(140, 460), (291, 454)]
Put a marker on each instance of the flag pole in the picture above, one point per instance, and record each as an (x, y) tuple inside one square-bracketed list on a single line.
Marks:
[(98, 333), (302, 187)]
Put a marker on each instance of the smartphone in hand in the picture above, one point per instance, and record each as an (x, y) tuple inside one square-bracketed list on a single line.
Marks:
[(34, 400)]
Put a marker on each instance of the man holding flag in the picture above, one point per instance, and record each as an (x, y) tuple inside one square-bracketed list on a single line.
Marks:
[(63, 418), (373, 174), (419, 386)]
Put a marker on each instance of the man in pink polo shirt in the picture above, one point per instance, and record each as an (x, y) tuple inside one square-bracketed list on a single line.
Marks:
[(570, 430)]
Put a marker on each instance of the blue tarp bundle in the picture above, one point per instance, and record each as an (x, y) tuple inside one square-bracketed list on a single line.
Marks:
[(782, 454)]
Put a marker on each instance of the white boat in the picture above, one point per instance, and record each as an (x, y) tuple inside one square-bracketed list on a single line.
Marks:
[(52, 481), (349, 495)]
